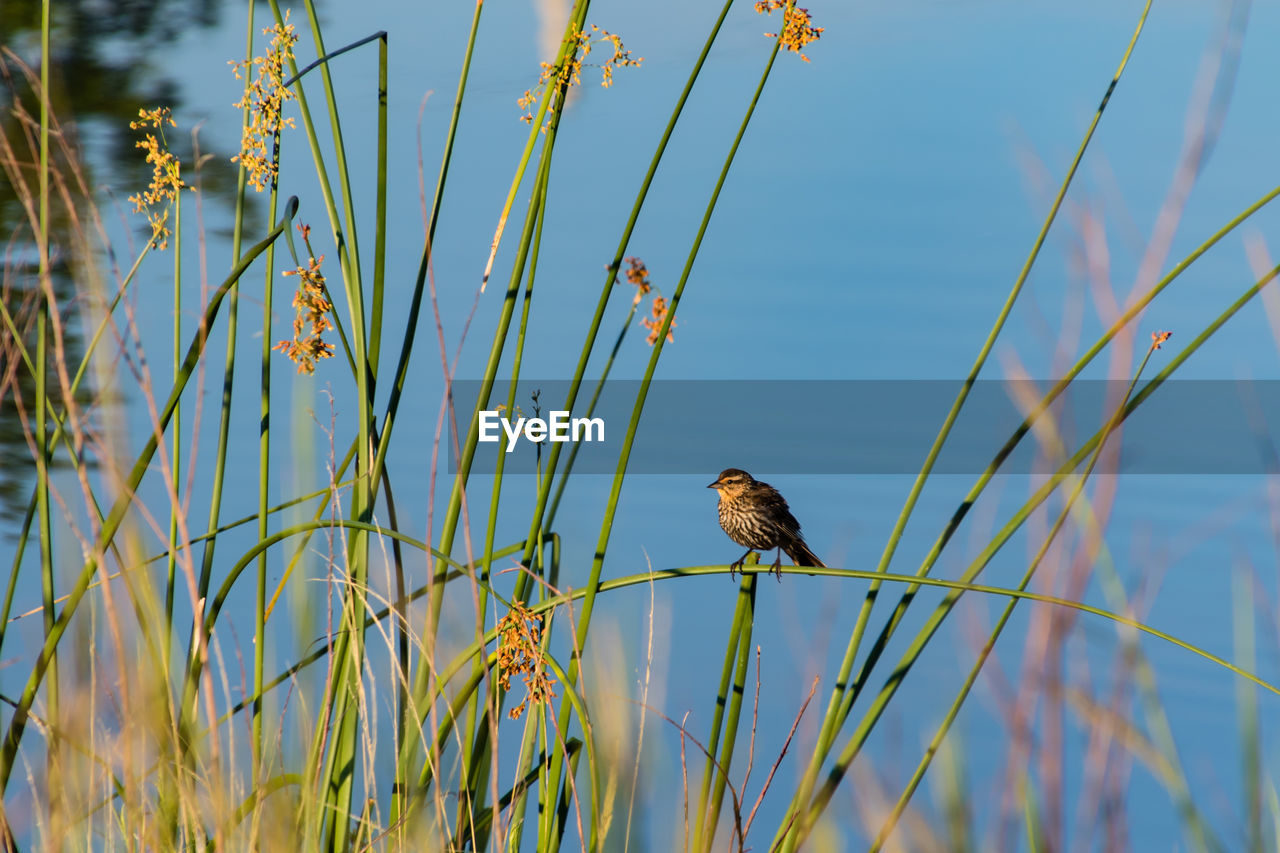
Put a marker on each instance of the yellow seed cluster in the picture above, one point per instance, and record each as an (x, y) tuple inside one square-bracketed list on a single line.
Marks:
[(638, 275), (265, 98), (166, 174), (570, 73), (621, 57), (797, 26), (312, 320), (654, 323), (520, 653)]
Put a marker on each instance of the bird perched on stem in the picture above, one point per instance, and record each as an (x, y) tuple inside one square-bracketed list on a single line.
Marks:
[(758, 518)]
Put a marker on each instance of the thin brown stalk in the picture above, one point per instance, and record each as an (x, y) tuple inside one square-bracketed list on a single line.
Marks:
[(684, 777), (644, 700), (795, 724), (755, 719)]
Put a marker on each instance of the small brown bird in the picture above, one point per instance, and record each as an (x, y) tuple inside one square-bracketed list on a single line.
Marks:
[(758, 518)]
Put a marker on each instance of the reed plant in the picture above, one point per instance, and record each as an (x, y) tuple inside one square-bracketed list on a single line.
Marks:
[(434, 699)]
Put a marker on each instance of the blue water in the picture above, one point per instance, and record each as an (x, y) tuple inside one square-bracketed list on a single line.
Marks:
[(882, 203)]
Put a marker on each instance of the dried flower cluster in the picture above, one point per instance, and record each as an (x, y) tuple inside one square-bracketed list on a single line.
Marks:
[(1158, 339), (797, 27), (638, 275), (520, 653), (654, 323), (312, 321), (570, 72), (166, 174), (265, 98)]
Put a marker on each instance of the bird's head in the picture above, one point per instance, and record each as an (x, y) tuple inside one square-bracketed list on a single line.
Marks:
[(732, 482)]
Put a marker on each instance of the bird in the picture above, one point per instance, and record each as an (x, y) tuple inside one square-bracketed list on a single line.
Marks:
[(758, 518)]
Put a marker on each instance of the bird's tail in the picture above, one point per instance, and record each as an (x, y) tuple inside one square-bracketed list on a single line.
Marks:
[(801, 555)]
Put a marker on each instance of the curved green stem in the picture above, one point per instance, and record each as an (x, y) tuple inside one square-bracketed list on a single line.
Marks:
[(842, 694), (624, 455)]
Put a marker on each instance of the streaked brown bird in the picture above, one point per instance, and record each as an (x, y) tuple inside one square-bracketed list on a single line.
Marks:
[(758, 518)]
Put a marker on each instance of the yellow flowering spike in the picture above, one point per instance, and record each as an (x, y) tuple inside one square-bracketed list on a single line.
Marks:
[(797, 26), (569, 74), (638, 275), (520, 653), (166, 174), (312, 301), (265, 99), (659, 311), (158, 117)]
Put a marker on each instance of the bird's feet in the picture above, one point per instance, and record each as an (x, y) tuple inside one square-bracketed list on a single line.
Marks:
[(777, 567), (737, 566)]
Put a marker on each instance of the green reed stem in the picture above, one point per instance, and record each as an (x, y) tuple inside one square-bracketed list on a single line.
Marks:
[(379, 213), (540, 192), (402, 368), (1077, 489), (519, 791), (301, 550), (129, 568), (1025, 427), (169, 797), (411, 596), (467, 450), (264, 465), (916, 647), (44, 448), (175, 453), (530, 242), (344, 235), (672, 574), (841, 694), (43, 464), (229, 365), (1035, 832), (17, 724), (476, 716), (424, 264), (556, 94), (733, 675), (224, 413), (588, 344), (889, 577), (593, 767), (340, 756), (533, 732), (624, 455), (44, 444), (527, 247), (59, 434), (591, 408), (1065, 381), (466, 655)]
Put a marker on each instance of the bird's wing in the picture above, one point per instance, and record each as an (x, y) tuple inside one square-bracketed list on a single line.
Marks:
[(781, 512)]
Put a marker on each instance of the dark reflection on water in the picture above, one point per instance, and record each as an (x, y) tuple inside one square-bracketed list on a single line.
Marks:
[(108, 60)]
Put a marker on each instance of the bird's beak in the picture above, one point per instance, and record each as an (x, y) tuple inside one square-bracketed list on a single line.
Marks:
[(714, 485)]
